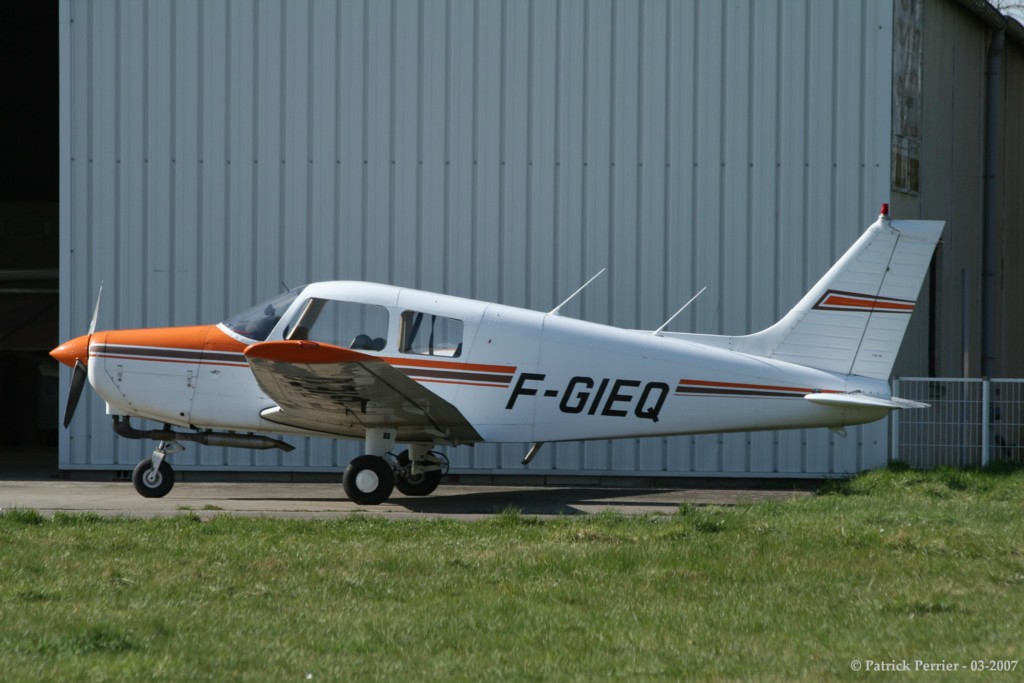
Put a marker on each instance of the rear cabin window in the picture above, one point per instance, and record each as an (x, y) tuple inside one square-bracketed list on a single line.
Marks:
[(426, 334), (363, 327)]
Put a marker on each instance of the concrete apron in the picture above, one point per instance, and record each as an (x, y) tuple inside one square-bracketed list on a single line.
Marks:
[(327, 501)]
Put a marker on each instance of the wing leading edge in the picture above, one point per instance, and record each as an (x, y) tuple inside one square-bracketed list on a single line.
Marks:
[(335, 390)]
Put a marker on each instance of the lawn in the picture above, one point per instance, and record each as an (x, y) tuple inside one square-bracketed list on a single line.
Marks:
[(886, 569)]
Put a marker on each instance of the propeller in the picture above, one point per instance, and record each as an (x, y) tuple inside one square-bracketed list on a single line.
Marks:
[(78, 351), (78, 380)]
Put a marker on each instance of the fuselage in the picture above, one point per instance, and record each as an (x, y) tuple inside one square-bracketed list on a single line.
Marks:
[(516, 375)]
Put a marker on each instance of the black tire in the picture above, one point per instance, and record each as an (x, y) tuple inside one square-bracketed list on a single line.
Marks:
[(368, 480), (422, 484), (152, 484)]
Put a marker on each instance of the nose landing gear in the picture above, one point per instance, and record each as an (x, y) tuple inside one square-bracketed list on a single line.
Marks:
[(154, 478)]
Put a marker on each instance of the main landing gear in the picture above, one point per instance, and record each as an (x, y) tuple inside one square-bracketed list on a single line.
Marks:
[(370, 479)]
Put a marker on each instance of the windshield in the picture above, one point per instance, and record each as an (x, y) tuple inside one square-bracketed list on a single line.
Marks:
[(257, 322)]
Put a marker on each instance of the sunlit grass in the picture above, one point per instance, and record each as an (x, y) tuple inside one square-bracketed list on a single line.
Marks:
[(892, 565)]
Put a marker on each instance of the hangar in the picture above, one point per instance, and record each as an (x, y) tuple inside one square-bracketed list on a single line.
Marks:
[(211, 152)]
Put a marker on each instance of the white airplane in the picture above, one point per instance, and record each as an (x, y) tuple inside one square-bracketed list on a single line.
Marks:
[(392, 365)]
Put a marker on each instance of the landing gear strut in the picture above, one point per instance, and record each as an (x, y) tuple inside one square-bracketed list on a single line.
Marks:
[(154, 478)]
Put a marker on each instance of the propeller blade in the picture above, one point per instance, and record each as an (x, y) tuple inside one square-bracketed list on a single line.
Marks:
[(77, 384), (78, 349), (96, 311)]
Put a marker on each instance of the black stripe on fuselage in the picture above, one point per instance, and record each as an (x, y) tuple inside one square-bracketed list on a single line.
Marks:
[(749, 393), (177, 355)]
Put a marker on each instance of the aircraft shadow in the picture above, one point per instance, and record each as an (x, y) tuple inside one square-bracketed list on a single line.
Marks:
[(549, 501), (528, 501)]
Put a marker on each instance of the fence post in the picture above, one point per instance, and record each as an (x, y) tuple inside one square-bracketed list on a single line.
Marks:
[(894, 443), (986, 386)]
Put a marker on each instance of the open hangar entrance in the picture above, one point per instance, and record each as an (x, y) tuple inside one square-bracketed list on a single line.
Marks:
[(29, 233)]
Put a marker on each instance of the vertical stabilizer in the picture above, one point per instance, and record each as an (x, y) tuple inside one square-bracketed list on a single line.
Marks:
[(853, 320)]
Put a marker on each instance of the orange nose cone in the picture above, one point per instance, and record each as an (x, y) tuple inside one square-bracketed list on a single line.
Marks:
[(70, 351)]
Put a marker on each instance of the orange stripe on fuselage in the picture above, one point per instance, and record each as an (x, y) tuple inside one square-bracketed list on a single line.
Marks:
[(218, 340), (192, 338), (736, 385), (868, 304)]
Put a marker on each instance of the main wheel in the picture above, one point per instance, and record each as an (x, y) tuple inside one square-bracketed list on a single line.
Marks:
[(153, 483), (368, 480), (422, 484)]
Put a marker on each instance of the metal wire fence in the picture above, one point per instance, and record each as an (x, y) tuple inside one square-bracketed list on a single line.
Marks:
[(971, 422)]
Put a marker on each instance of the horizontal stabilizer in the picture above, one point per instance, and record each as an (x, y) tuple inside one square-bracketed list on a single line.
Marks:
[(863, 401)]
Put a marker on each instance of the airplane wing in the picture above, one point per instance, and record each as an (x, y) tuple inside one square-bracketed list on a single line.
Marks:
[(339, 391), (863, 401)]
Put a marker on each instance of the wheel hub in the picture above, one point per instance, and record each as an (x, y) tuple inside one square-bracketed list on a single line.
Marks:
[(152, 478), (367, 481)]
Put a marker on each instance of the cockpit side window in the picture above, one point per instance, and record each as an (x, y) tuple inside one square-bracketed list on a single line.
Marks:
[(427, 334), (257, 322), (363, 327)]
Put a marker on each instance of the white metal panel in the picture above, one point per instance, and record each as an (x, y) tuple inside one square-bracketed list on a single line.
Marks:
[(432, 253), (569, 263), (324, 172), (542, 197), (735, 182), (406, 198), (352, 151), (213, 174), (820, 185), (459, 134), (500, 150), (651, 210)]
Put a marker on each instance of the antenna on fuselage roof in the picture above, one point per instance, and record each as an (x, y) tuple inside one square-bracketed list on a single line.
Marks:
[(554, 311), (657, 332)]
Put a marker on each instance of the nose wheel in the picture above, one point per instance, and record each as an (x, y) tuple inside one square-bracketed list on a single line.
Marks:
[(154, 477), (153, 483)]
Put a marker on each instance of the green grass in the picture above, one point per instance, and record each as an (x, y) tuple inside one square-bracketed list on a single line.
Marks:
[(890, 566)]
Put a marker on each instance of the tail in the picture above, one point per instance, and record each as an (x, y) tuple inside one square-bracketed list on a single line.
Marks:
[(853, 320)]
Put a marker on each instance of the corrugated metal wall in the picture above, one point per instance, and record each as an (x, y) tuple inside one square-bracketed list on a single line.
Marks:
[(500, 150)]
